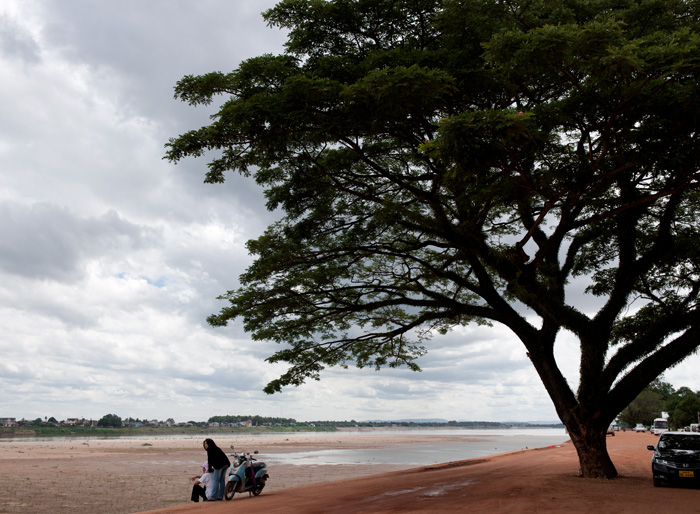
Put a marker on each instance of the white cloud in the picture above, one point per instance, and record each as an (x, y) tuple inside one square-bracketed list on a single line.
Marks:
[(111, 258)]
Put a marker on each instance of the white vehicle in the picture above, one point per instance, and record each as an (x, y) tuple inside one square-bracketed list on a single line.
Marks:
[(660, 426), (640, 428)]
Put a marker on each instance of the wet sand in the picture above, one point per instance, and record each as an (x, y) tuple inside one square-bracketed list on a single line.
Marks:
[(137, 475)]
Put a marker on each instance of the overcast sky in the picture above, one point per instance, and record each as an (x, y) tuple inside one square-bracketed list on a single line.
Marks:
[(111, 258)]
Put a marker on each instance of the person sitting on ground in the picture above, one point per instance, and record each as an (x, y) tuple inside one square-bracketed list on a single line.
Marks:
[(203, 485)]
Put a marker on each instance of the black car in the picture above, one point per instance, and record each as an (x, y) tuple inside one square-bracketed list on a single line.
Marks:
[(676, 458)]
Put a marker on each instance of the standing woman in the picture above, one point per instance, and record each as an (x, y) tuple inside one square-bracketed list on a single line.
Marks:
[(219, 461)]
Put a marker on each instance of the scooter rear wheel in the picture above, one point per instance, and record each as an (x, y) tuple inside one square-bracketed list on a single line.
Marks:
[(229, 491), (258, 489)]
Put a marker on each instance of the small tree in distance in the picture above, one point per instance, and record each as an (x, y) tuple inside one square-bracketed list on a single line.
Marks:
[(684, 407), (110, 420), (646, 407), (446, 162)]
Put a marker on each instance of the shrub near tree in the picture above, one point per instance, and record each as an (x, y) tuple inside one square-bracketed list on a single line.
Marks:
[(446, 162)]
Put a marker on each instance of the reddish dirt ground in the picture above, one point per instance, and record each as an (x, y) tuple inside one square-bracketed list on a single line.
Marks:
[(136, 475), (540, 480)]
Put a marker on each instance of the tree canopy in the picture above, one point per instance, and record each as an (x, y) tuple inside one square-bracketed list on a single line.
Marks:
[(682, 406), (446, 162), (110, 420), (648, 405)]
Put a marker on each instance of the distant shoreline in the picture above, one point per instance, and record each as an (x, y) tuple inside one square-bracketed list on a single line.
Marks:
[(144, 432), (106, 432), (21, 433)]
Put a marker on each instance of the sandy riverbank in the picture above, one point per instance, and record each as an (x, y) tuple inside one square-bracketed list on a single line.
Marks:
[(119, 476), (124, 476)]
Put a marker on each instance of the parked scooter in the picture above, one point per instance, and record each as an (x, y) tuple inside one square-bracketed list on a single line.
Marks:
[(246, 474)]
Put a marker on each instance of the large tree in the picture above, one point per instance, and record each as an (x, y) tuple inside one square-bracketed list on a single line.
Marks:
[(445, 162)]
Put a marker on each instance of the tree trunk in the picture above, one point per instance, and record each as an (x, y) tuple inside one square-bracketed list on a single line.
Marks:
[(586, 425), (591, 446)]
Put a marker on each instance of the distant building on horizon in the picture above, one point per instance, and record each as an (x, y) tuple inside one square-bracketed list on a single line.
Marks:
[(8, 422)]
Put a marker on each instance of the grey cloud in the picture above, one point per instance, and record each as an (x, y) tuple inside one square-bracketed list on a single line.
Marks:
[(155, 43), (43, 241), (17, 43), (144, 48)]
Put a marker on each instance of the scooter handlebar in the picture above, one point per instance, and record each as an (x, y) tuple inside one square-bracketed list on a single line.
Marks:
[(244, 455)]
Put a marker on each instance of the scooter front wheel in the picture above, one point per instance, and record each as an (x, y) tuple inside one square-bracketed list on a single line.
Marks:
[(230, 490)]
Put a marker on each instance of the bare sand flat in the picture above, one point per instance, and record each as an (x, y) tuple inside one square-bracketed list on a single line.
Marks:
[(119, 476), (137, 475)]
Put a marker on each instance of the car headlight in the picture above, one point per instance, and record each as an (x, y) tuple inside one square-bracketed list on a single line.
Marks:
[(664, 462)]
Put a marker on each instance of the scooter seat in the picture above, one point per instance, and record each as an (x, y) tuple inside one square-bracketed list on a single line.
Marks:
[(258, 465)]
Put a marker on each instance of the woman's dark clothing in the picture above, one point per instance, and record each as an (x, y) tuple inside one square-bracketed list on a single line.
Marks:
[(219, 462), (216, 457)]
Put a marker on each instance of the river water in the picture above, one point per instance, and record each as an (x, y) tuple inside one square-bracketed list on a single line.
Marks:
[(463, 444), (468, 444)]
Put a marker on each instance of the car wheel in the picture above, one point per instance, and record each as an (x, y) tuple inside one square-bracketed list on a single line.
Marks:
[(656, 482)]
